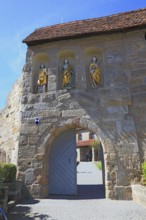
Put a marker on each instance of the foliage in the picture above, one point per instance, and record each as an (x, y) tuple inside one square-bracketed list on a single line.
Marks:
[(143, 166), (8, 171), (96, 144), (98, 165)]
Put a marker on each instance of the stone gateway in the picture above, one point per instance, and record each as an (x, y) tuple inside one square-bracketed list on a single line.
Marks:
[(93, 77)]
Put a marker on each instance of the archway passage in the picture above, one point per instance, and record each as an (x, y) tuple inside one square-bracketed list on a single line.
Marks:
[(62, 177), (90, 169), (89, 181), (63, 170)]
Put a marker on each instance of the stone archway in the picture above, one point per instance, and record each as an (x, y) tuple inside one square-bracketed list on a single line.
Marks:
[(117, 166), (108, 151)]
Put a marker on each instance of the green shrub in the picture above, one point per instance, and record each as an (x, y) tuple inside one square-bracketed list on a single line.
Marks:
[(144, 172), (8, 172)]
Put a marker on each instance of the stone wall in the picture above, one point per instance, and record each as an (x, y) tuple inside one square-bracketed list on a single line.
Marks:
[(10, 118), (115, 112), (139, 194), (111, 111), (136, 51)]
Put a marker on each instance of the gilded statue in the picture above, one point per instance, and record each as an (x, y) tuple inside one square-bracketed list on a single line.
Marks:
[(42, 79), (94, 71), (68, 80)]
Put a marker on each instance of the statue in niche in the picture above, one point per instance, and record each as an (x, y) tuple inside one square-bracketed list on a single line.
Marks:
[(68, 76), (94, 71), (42, 79)]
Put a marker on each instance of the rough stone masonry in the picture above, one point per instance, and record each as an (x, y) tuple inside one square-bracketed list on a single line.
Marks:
[(115, 110)]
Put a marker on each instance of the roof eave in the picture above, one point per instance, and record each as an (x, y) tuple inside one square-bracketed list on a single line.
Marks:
[(77, 36)]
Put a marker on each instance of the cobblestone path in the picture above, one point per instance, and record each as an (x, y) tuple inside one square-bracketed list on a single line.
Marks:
[(90, 203)]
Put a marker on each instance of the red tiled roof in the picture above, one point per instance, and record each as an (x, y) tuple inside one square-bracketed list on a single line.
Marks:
[(89, 27), (84, 143)]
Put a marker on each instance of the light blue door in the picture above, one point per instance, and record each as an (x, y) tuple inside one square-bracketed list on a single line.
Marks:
[(62, 164)]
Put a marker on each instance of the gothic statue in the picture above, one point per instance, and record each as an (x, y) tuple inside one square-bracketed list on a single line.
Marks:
[(94, 71), (42, 79), (68, 77)]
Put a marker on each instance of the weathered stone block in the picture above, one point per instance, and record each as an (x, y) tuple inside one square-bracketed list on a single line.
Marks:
[(119, 192), (29, 176), (52, 87), (26, 130), (39, 157), (113, 175), (128, 193), (24, 100), (73, 113), (63, 97)]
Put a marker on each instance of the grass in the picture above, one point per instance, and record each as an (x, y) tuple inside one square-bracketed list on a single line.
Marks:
[(98, 165)]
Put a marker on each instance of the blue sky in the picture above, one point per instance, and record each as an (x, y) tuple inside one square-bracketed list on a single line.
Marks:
[(19, 18)]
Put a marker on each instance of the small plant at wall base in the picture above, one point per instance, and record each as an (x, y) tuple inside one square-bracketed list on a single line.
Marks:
[(8, 172), (143, 166)]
